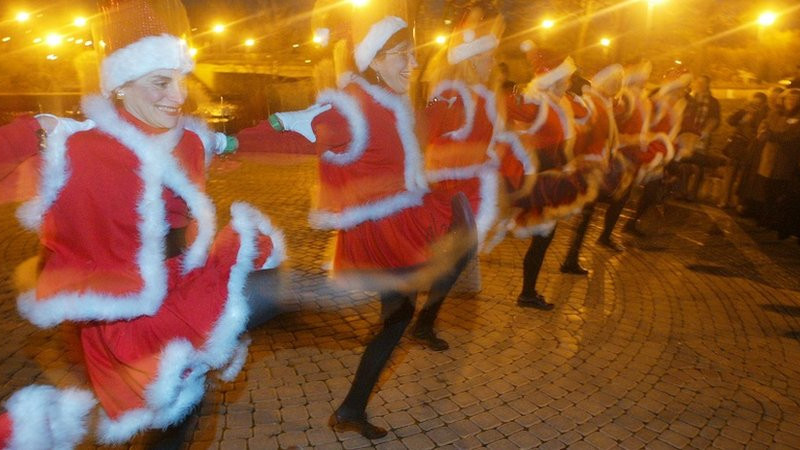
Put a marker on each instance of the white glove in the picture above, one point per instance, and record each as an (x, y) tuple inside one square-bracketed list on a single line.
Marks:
[(52, 124), (300, 121)]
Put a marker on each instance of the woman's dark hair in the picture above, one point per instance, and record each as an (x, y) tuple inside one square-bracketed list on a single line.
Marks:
[(398, 38), (761, 96)]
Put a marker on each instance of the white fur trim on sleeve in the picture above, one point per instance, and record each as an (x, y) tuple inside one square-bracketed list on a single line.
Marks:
[(142, 57), (518, 150), (467, 100), (487, 211), (376, 38), (359, 128)]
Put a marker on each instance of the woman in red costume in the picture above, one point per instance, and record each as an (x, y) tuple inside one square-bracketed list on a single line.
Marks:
[(662, 143), (601, 140), (373, 191), (115, 208), (461, 119), (545, 123)]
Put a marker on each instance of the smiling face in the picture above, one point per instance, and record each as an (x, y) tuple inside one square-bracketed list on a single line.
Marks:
[(156, 98), (395, 66)]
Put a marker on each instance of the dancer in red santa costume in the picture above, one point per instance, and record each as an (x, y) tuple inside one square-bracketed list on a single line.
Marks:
[(461, 119), (601, 141), (548, 119), (632, 115), (373, 191), (115, 208), (663, 141), (461, 122)]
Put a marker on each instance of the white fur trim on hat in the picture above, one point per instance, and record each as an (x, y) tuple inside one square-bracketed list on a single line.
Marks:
[(614, 72), (639, 73), (681, 82), (376, 38), (563, 70), (142, 57), (472, 48)]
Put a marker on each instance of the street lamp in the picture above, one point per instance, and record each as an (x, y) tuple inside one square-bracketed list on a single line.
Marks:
[(605, 42), (359, 3), (219, 28), (548, 23), (441, 39), (23, 16), (79, 22), (250, 42), (53, 40), (767, 18)]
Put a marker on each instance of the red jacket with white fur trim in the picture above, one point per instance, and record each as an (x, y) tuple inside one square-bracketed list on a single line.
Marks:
[(150, 326)]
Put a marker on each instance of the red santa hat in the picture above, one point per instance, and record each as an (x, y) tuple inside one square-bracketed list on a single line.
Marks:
[(475, 35), (675, 78), (609, 79), (548, 66), (373, 26), (637, 73), (367, 47), (140, 36)]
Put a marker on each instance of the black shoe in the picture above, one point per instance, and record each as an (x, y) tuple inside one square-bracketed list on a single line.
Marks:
[(430, 339), (609, 243), (535, 301), (630, 228), (359, 425), (573, 268)]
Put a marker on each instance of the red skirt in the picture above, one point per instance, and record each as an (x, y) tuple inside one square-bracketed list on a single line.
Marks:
[(401, 240), (149, 372)]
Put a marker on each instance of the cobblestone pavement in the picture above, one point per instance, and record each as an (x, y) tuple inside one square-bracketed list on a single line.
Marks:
[(689, 338)]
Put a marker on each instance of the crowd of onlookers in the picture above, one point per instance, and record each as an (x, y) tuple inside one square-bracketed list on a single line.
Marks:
[(760, 158)]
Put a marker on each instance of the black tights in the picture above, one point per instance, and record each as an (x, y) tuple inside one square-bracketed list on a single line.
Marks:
[(397, 309), (649, 198), (613, 212), (532, 263), (263, 293), (580, 234), (439, 290)]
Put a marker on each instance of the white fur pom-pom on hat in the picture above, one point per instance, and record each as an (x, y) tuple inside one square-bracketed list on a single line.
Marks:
[(476, 35), (527, 45)]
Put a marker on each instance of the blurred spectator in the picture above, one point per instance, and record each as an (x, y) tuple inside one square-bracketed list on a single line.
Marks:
[(749, 195), (780, 156), (741, 144), (703, 119)]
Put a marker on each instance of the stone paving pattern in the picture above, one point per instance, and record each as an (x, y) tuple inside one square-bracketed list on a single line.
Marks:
[(689, 338)]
